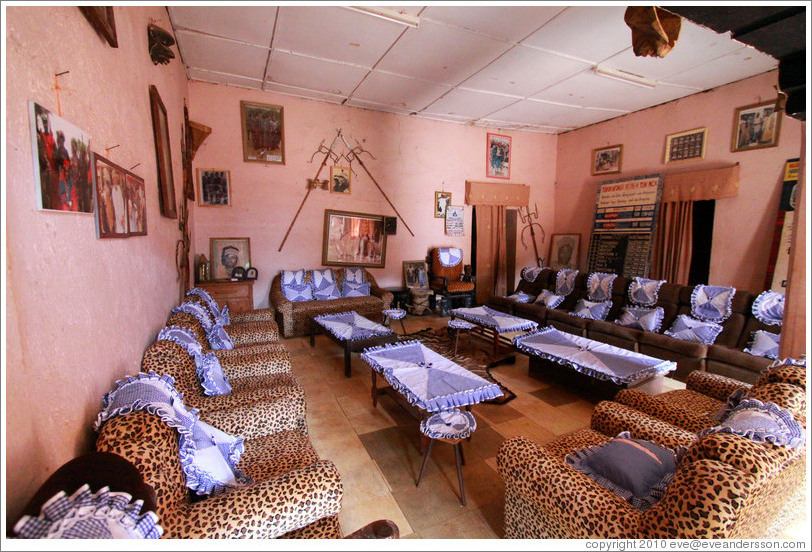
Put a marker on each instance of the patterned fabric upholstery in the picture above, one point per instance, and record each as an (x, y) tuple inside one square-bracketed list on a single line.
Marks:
[(448, 279), (248, 327)]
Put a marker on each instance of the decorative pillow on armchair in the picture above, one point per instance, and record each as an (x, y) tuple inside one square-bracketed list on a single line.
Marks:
[(324, 284), (548, 299), (641, 318), (690, 329), (768, 308), (761, 422), (355, 275), (293, 277), (712, 303), (521, 297), (599, 285), (643, 291), (764, 344), (591, 309), (298, 292), (350, 289)]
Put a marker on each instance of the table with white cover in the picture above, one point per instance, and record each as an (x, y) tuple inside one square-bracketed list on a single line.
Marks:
[(352, 331), (496, 321)]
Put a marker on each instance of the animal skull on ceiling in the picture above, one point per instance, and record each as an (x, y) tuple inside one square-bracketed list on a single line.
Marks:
[(159, 43)]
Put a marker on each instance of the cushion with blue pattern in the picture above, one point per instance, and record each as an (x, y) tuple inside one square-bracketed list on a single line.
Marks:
[(761, 422), (324, 284), (696, 331), (712, 303), (298, 292), (644, 291), (521, 297), (530, 273), (350, 289), (293, 277), (599, 286), (219, 338), (768, 308), (642, 318), (764, 344), (355, 275), (591, 309), (549, 299), (565, 281), (211, 375)]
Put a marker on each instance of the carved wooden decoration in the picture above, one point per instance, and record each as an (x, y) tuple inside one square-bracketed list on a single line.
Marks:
[(654, 30)]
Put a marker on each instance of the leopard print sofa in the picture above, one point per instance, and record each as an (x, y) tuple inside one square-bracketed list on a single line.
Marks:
[(294, 494), (243, 341), (256, 326)]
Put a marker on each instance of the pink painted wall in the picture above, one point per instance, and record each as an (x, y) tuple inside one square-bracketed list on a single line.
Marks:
[(743, 226), (79, 310), (413, 159)]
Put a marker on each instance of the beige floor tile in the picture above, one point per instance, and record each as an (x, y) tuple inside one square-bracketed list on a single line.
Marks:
[(370, 509)]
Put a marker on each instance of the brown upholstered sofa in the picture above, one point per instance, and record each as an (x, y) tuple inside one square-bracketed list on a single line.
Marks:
[(725, 357), (293, 317)]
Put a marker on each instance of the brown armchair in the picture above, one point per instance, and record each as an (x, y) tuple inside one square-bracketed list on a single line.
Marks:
[(448, 279)]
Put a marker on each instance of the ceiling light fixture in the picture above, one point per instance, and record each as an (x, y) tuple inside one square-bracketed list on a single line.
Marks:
[(389, 14), (623, 76)]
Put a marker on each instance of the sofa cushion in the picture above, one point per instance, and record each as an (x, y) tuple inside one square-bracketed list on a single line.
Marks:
[(769, 308), (548, 299), (764, 344), (355, 275), (591, 309), (599, 286), (565, 281), (642, 318), (600, 328), (298, 292), (690, 329), (293, 277), (712, 303), (530, 273), (324, 283), (644, 291), (352, 289), (761, 422), (521, 297)]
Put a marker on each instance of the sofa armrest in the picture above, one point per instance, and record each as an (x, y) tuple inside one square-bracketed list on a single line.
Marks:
[(611, 418), (254, 360), (267, 509), (713, 385), (386, 296), (657, 406), (267, 314)]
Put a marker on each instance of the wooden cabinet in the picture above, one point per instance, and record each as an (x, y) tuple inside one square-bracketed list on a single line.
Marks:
[(239, 296)]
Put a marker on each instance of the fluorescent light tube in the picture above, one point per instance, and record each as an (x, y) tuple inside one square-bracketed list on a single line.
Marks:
[(623, 76), (388, 14)]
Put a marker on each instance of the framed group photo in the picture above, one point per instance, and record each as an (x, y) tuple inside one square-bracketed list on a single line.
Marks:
[(353, 239), (565, 249), (214, 187), (756, 126), (263, 132), (441, 202), (340, 180), (228, 254), (498, 156), (686, 145), (415, 274), (607, 160)]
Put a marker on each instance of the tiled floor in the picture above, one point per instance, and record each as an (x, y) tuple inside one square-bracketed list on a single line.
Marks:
[(377, 452)]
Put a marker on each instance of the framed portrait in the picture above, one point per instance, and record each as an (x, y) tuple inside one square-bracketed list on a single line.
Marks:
[(415, 274), (163, 153), (61, 155), (103, 20), (340, 180), (263, 133), (685, 145), (214, 187), (353, 239), (227, 254), (136, 198), (756, 126), (498, 156), (607, 160), (109, 185), (565, 249), (441, 202)]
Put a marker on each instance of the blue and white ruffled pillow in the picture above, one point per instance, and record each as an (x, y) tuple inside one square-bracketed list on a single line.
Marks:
[(298, 292), (219, 339), (761, 422), (355, 275), (712, 303), (768, 308), (521, 297), (220, 315), (591, 309), (548, 299), (350, 289), (565, 281), (449, 256), (764, 344), (642, 318), (530, 273), (697, 331), (599, 286), (644, 292), (208, 367), (198, 311), (324, 284), (293, 277)]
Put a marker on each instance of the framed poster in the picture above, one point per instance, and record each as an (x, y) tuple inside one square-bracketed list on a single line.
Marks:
[(353, 239), (685, 145), (214, 187), (454, 220), (415, 274), (135, 196), (340, 180), (756, 126), (227, 254), (263, 133), (565, 250), (109, 183), (163, 153), (441, 202), (61, 155), (607, 160), (103, 20), (498, 156)]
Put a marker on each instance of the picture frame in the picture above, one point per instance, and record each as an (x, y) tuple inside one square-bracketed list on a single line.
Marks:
[(756, 126), (416, 274), (62, 157), (565, 250), (686, 145), (163, 154), (263, 132), (441, 202), (110, 208), (340, 180), (136, 199), (227, 254), (498, 156), (214, 187), (607, 160), (353, 239), (103, 20)]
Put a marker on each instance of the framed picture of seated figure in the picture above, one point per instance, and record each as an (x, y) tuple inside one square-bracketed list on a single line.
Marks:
[(228, 254), (756, 126), (353, 239), (564, 251)]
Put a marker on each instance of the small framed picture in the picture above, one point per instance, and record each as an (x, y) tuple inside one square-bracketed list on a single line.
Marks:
[(109, 182), (214, 187), (756, 126), (227, 254), (136, 196), (415, 274), (263, 133), (441, 202), (498, 156), (685, 145), (565, 250), (607, 160), (340, 180)]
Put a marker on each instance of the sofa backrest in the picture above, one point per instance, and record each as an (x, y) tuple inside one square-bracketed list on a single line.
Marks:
[(668, 298), (190, 322), (276, 284), (167, 357), (734, 326), (541, 282)]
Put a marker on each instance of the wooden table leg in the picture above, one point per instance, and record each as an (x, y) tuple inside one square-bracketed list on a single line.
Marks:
[(374, 389), (347, 359)]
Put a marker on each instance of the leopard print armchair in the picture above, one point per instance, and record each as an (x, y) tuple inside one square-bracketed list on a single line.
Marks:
[(294, 494), (254, 326), (242, 342)]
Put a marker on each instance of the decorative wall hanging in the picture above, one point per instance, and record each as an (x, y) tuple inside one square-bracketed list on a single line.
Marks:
[(756, 126), (136, 199), (163, 154), (565, 249), (353, 239), (454, 220), (441, 201), (685, 145), (120, 200), (263, 133), (607, 160), (527, 218), (228, 253), (654, 30), (340, 180), (103, 21), (498, 156), (159, 43), (214, 187)]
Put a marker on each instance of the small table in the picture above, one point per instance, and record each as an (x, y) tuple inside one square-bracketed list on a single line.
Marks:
[(596, 360), (352, 331), (496, 321)]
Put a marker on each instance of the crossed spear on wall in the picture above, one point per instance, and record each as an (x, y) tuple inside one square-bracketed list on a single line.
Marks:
[(353, 154)]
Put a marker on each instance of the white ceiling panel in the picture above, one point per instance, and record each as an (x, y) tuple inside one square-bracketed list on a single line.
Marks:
[(224, 56), (576, 118), (335, 33), (222, 78), (744, 62), (401, 92), (467, 103), (355, 102), (511, 24), (302, 92), (531, 112), (441, 54), (315, 74), (252, 24)]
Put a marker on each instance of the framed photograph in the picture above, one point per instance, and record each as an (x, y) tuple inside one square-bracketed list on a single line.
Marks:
[(340, 180), (441, 202), (353, 239), (756, 126), (109, 185), (415, 274), (685, 145), (214, 187), (565, 250), (135, 195), (103, 20), (61, 155), (498, 156), (607, 160), (163, 153), (227, 254), (263, 133)]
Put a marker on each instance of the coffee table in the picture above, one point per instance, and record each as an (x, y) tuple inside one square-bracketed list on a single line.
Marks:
[(498, 322), (352, 331), (596, 360)]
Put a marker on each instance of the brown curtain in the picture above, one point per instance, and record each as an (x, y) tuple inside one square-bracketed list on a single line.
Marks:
[(491, 252), (672, 242)]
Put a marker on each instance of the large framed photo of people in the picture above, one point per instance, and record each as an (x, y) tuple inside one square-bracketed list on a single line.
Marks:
[(263, 132), (353, 239), (120, 200), (214, 187)]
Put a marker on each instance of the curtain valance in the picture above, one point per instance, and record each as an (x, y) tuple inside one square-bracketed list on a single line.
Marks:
[(701, 185), (492, 193)]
